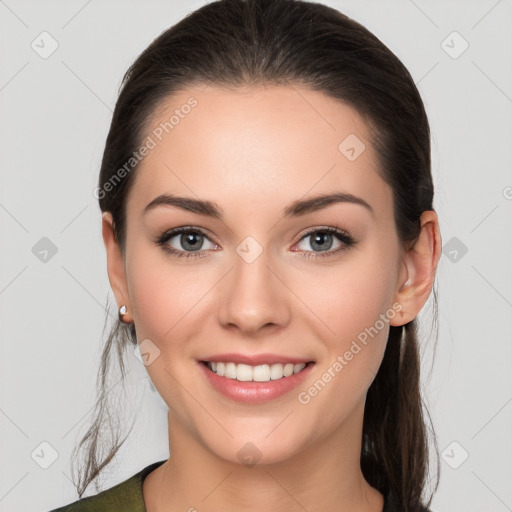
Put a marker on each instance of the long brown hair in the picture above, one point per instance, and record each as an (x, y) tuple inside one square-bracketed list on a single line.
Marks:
[(234, 43)]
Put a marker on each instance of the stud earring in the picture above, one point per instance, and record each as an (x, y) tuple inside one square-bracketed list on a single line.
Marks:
[(122, 312)]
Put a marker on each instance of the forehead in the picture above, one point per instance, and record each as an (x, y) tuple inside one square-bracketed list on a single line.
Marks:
[(259, 146)]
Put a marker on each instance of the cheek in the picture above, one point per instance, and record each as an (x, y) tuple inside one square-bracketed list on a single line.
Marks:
[(163, 294), (351, 296), (166, 300), (352, 302)]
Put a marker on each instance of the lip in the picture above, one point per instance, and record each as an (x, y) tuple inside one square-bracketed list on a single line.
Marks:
[(254, 359), (250, 392)]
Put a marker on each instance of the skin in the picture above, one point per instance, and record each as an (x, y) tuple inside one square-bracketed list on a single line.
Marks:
[(254, 151)]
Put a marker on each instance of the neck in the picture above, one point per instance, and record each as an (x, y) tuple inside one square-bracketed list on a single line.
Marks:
[(326, 476)]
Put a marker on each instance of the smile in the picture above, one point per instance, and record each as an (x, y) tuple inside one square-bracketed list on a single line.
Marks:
[(258, 373), (255, 378)]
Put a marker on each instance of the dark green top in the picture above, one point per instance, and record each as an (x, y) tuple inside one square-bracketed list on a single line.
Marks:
[(127, 497), (123, 497)]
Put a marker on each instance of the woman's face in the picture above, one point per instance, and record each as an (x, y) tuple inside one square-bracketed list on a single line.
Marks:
[(258, 279)]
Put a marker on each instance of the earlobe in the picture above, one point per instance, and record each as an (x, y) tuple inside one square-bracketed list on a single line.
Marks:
[(419, 269), (115, 266)]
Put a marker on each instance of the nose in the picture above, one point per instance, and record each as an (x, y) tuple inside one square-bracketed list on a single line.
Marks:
[(253, 299)]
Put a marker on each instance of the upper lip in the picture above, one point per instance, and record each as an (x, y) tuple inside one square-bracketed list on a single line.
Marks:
[(255, 359)]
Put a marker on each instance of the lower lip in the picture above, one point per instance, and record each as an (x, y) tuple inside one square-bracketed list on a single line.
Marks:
[(251, 392)]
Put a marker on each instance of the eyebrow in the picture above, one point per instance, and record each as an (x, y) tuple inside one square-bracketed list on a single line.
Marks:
[(295, 209)]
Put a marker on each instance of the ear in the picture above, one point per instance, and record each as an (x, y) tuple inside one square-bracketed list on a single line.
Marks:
[(115, 266), (418, 271)]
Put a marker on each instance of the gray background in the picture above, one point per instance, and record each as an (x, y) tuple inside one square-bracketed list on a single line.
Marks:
[(55, 114)]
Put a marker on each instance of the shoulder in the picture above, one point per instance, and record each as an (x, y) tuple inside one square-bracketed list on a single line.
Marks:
[(123, 497)]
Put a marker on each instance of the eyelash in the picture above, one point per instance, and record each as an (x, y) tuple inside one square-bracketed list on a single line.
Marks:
[(343, 236)]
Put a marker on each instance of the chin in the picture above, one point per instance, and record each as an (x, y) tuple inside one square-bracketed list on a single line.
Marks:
[(249, 450)]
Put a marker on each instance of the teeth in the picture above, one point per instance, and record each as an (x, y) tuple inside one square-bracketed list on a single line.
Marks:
[(230, 370), (260, 373)]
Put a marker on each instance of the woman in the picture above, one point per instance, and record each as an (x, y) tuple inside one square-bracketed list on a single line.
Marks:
[(268, 219)]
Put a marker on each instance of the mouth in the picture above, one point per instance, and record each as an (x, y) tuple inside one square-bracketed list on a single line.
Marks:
[(255, 373), (255, 378)]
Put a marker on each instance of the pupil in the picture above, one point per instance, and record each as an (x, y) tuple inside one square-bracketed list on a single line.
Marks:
[(319, 241), (188, 241)]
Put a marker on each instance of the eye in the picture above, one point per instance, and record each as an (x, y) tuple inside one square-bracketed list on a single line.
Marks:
[(185, 242), (321, 241), (188, 242)]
